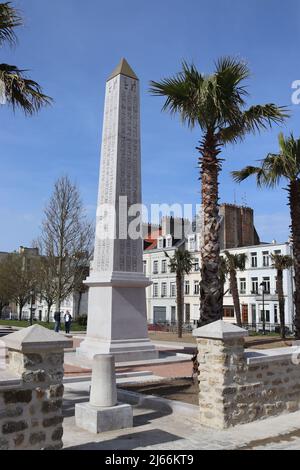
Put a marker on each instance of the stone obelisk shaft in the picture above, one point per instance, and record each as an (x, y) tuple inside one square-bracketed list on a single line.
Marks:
[(117, 322)]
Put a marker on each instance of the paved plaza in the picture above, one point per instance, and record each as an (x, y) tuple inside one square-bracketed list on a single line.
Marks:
[(157, 427)]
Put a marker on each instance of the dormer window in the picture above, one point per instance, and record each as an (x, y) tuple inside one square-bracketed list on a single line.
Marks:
[(160, 243), (169, 241)]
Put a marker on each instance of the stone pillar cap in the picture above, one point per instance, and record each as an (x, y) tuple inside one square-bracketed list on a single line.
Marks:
[(220, 330), (36, 338)]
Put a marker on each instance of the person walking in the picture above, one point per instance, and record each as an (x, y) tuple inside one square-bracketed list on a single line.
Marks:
[(57, 322), (68, 321)]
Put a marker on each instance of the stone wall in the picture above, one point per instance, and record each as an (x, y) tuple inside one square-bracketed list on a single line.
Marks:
[(237, 387), (31, 393)]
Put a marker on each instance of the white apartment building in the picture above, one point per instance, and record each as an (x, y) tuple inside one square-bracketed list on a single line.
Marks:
[(74, 304), (258, 274)]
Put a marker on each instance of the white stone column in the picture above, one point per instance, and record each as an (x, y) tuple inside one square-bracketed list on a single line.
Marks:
[(103, 388), (117, 319), (103, 413)]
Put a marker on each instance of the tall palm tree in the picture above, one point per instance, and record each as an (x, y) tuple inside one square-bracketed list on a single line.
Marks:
[(217, 104), (280, 263), (235, 263), (181, 264), (284, 165), (15, 88)]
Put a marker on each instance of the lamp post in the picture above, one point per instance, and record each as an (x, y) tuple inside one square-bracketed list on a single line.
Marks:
[(262, 285)]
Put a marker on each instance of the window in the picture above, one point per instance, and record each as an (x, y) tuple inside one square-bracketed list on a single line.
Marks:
[(164, 266), (160, 243), (187, 287), (196, 264), (169, 241), (275, 313), (266, 284), (243, 285), (155, 289), (253, 314), (228, 312), (173, 315), (267, 314), (187, 313), (173, 289), (196, 288), (144, 267), (254, 260), (191, 245), (155, 267), (266, 259), (164, 289), (254, 285), (277, 252)]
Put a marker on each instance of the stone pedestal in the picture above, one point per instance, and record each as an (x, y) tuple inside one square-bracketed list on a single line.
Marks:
[(221, 366), (31, 390), (117, 318), (103, 413), (97, 420)]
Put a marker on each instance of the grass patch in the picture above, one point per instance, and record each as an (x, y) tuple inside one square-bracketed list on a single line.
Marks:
[(50, 326)]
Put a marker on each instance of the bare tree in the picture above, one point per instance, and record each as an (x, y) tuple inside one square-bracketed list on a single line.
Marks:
[(6, 291), (66, 240), (20, 273)]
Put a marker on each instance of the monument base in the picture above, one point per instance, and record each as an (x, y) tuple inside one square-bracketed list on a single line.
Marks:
[(123, 351), (117, 319), (96, 420)]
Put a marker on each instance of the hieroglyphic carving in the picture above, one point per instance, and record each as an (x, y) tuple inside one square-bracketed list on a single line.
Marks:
[(120, 173)]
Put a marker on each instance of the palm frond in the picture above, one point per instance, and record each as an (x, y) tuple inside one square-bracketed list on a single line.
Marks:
[(21, 91), (281, 262), (261, 117), (9, 19)]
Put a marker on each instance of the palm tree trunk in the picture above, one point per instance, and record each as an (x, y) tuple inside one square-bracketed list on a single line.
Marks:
[(179, 304), (294, 202), (235, 297), (211, 301), (279, 288)]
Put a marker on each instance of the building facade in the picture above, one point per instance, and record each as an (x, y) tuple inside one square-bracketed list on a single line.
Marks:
[(257, 284)]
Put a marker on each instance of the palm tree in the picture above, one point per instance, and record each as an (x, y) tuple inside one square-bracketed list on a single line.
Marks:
[(276, 167), (216, 103), (15, 88), (181, 263), (234, 263), (280, 263)]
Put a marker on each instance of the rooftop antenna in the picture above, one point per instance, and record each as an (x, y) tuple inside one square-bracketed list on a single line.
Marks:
[(244, 200)]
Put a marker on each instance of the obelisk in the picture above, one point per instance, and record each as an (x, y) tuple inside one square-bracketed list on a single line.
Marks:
[(117, 320)]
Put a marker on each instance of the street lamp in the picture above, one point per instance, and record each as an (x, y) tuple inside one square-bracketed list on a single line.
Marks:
[(262, 285)]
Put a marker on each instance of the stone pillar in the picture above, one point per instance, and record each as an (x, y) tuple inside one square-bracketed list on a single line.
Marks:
[(222, 367), (103, 413), (31, 390), (103, 388)]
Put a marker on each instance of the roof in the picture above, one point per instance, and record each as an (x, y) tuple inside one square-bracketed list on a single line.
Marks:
[(123, 68)]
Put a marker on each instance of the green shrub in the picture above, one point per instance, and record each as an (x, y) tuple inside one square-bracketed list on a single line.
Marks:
[(82, 320)]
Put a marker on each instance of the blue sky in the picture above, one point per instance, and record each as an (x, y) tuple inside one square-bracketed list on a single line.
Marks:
[(72, 46)]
